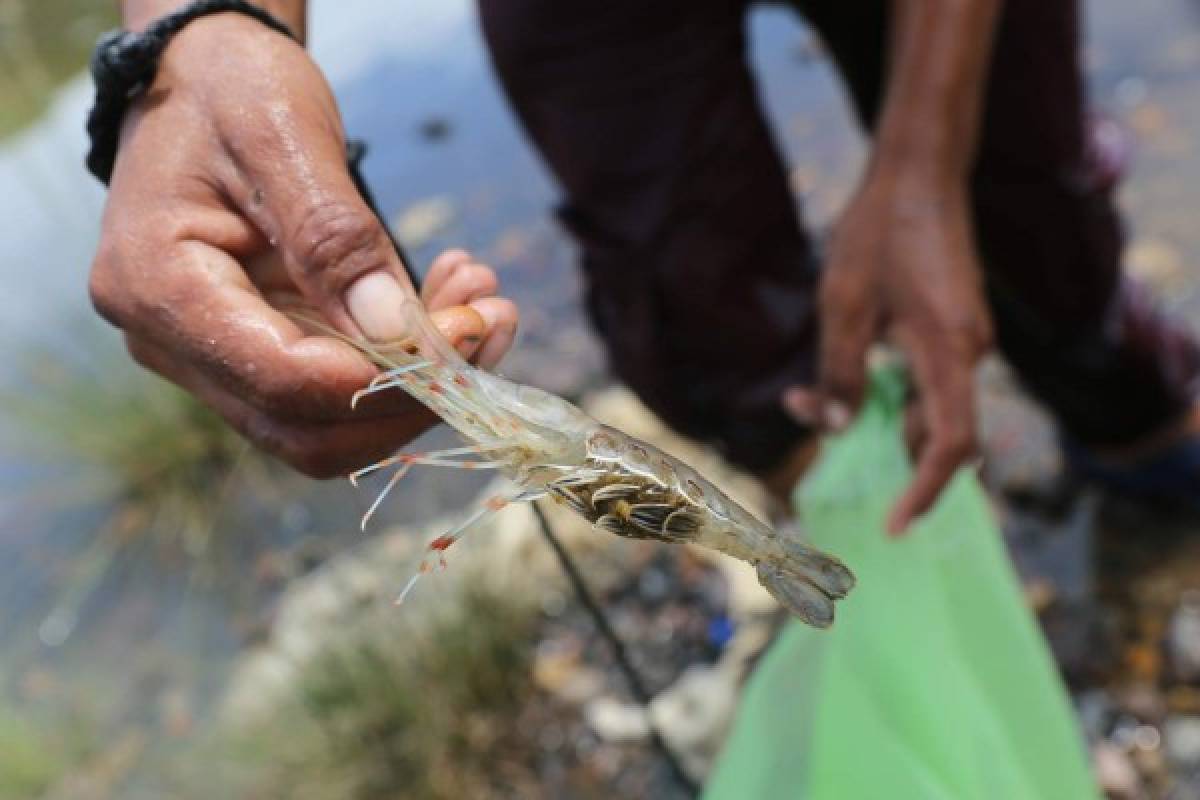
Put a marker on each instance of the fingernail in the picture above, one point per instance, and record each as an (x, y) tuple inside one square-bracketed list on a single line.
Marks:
[(837, 417), (376, 303), (500, 330), (793, 403), (491, 315)]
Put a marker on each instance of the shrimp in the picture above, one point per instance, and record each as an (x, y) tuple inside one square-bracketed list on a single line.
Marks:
[(549, 448)]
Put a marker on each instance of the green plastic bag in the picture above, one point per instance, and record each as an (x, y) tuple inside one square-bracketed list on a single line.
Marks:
[(934, 683)]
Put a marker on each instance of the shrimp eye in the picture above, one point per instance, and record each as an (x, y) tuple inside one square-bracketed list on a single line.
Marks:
[(602, 444)]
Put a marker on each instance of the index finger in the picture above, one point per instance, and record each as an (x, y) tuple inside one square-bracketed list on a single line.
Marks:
[(946, 400), (215, 319)]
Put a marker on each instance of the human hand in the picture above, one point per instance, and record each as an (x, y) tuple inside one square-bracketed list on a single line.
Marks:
[(903, 265), (231, 200)]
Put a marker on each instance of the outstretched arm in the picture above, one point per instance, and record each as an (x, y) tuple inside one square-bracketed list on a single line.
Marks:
[(903, 262), (231, 199), (137, 14)]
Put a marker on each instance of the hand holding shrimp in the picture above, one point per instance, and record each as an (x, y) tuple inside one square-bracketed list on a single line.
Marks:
[(548, 447)]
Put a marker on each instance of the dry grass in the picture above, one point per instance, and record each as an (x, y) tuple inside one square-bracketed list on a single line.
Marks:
[(423, 710)]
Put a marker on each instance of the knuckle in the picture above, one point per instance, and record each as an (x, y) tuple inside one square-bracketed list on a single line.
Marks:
[(337, 242), (318, 465), (103, 285), (311, 455), (834, 291), (315, 462), (289, 445), (276, 392), (480, 280), (955, 446), (450, 260), (985, 335), (842, 381), (293, 395), (142, 354)]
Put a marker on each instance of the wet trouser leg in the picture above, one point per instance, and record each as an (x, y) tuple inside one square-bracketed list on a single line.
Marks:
[(700, 278), (1082, 339)]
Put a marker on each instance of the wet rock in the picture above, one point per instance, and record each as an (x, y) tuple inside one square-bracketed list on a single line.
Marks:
[(1182, 736), (614, 721), (1183, 638), (1084, 639), (695, 713), (1159, 264), (1143, 661), (1115, 772), (1040, 593), (418, 224), (1144, 701), (1183, 700), (1095, 711), (558, 669)]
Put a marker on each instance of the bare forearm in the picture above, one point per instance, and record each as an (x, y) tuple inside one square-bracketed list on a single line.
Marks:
[(940, 52), (137, 14)]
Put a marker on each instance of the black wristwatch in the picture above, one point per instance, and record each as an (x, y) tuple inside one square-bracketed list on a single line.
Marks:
[(124, 64)]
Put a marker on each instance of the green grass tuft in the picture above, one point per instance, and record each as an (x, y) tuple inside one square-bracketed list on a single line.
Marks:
[(423, 710), (42, 44)]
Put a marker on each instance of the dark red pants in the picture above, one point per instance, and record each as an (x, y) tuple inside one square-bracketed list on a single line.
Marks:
[(700, 277)]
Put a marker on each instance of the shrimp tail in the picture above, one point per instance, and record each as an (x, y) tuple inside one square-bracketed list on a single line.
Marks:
[(798, 594), (822, 570)]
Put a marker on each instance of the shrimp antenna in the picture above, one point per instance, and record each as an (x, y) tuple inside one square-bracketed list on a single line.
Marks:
[(387, 380), (392, 481), (362, 345), (442, 543)]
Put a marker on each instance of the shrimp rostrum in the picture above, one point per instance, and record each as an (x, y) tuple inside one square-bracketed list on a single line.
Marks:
[(549, 448)]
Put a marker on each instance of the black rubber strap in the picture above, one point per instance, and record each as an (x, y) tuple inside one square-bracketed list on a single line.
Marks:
[(124, 64)]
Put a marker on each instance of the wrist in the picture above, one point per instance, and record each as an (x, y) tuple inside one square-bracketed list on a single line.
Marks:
[(136, 15), (915, 185), (125, 65), (921, 152), (202, 49)]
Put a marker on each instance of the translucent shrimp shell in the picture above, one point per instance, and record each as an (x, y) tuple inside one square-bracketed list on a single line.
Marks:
[(618, 483)]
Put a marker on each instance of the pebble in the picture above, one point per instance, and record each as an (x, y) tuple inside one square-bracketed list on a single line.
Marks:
[(1159, 264), (614, 721), (1115, 772), (420, 222), (695, 713), (1183, 638), (1144, 701), (1183, 741), (1095, 709)]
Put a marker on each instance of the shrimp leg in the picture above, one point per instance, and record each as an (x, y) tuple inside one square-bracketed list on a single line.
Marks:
[(392, 481), (436, 458), (443, 542), (391, 379)]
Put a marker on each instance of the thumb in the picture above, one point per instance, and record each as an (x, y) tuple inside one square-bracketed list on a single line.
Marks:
[(335, 250)]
